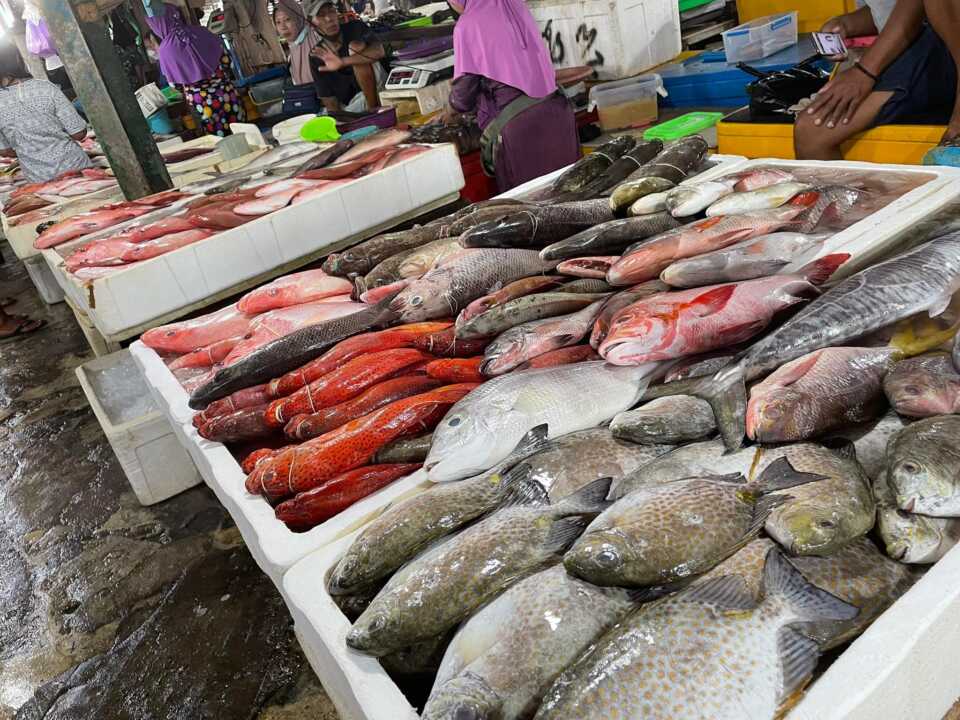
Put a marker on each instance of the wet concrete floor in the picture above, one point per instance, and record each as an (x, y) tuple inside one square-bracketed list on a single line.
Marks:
[(110, 610)]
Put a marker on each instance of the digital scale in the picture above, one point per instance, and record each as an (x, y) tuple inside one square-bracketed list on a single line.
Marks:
[(416, 74)]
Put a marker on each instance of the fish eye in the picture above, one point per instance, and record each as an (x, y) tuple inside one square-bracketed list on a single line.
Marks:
[(378, 623), (911, 390), (772, 412), (827, 524), (416, 300), (909, 467), (454, 422), (170, 333)]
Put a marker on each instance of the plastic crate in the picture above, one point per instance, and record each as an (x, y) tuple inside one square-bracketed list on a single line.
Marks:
[(812, 13), (760, 38), (155, 463), (695, 123)]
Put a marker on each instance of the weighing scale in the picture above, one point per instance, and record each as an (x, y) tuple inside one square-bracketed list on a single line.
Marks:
[(420, 64)]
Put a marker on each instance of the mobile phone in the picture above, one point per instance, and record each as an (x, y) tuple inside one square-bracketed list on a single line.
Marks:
[(829, 44)]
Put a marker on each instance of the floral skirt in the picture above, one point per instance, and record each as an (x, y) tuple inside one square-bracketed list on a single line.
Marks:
[(215, 100)]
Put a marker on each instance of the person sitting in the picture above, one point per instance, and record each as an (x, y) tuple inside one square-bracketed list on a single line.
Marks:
[(301, 39), (910, 74), (346, 63)]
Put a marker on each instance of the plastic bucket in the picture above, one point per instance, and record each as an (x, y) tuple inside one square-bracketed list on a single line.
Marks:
[(160, 123)]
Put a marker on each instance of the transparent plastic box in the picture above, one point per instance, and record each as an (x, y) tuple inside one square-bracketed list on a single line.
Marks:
[(630, 103), (760, 38)]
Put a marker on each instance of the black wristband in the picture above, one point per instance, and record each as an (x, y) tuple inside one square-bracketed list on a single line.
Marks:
[(866, 72)]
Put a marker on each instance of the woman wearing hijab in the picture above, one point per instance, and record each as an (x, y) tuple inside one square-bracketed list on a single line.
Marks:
[(504, 76), (301, 39), (194, 59)]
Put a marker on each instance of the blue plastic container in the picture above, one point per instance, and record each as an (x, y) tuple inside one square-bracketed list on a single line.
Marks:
[(708, 81), (160, 123)]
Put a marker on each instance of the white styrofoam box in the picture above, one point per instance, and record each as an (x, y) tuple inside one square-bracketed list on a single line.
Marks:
[(152, 458), (357, 684), (899, 668), (150, 99), (274, 547), (618, 38), (880, 234), (135, 297), (43, 280)]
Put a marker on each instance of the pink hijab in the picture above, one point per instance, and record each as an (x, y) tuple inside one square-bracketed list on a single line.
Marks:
[(499, 39)]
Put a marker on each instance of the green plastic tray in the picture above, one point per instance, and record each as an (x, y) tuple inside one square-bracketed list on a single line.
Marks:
[(689, 124), (418, 22), (691, 4)]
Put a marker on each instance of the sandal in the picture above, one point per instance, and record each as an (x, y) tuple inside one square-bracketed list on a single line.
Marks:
[(24, 326)]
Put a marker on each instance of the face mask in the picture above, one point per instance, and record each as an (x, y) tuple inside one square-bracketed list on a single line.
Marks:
[(302, 36)]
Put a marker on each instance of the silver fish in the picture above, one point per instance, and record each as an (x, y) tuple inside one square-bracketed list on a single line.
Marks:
[(687, 200), (766, 198), (870, 441), (923, 462), (709, 651), (446, 290), (505, 657), (911, 538), (649, 204), (675, 420), (482, 429), (447, 583), (518, 311)]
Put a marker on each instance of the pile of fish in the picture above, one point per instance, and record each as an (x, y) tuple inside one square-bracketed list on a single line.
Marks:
[(118, 235), (27, 197), (579, 373)]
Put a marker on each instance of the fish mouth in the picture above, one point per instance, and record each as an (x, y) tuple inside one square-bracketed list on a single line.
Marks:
[(899, 554), (618, 353)]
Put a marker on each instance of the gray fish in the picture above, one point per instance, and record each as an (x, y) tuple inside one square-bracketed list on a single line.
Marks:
[(524, 342), (406, 528), (586, 285), (325, 157), (419, 261), (858, 574), (482, 215), (674, 164), (568, 463), (592, 166), (670, 420), (537, 226), (923, 462), (385, 273), (364, 257), (627, 194), (610, 238), (405, 450), (483, 428), (525, 309), (922, 280), (418, 662), (505, 657), (911, 538), (447, 289), (290, 352), (666, 533), (870, 441), (700, 365), (447, 583), (352, 606), (707, 652), (924, 386), (629, 163), (838, 200)]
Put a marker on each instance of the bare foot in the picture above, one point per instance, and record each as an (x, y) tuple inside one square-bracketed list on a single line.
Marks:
[(13, 325), (952, 135)]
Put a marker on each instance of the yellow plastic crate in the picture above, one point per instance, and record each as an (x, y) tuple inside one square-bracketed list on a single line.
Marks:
[(896, 144), (813, 13)]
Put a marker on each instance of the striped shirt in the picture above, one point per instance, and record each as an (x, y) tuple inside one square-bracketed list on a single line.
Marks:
[(36, 121)]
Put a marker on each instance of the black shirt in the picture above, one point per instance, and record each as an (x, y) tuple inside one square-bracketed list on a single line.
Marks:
[(342, 84)]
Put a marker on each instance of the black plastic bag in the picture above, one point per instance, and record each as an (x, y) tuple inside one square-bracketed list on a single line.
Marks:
[(775, 93)]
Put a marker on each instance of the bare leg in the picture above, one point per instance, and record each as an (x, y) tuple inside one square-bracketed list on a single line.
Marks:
[(818, 142), (367, 80), (944, 18)]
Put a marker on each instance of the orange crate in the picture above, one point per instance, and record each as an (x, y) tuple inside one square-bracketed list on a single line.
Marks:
[(812, 13)]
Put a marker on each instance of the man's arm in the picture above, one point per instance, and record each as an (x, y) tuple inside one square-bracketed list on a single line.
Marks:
[(362, 53), (856, 24)]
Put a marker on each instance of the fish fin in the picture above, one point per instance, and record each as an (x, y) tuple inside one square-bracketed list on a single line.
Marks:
[(809, 602), (564, 532), (798, 657), (591, 499), (518, 488), (531, 443), (781, 475), (649, 594), (805, 199), (822, 269), (732, 478), (940, 305), (729, 592), (712, 301)]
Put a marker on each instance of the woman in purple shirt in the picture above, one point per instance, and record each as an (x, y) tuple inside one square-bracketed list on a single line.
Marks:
[(504, 76)]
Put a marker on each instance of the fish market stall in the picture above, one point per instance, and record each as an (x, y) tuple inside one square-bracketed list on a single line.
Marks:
[(588, 403), (123, 301)]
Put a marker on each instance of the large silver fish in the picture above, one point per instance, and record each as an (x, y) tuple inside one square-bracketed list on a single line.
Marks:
[(447, 583), (482, 429), (923, 462), (911, 538), (766, 198), (708, 652), (446, 290), (922, 280), (504, 658)]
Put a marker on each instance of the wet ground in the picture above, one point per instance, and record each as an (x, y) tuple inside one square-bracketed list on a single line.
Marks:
[(108, 609)]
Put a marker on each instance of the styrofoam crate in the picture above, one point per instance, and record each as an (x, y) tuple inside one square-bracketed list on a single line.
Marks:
[(896, 669), (151, 456), (43, 280), (880, 234), (618, 38), (142, 293)]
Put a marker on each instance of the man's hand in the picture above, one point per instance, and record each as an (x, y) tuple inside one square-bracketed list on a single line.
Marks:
[(836, 25), (332, 62), (839, 99)]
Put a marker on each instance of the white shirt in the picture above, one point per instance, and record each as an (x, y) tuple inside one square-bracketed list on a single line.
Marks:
[(880, 9)]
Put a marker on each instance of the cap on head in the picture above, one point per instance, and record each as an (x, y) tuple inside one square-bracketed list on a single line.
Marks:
[(312, 7)]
